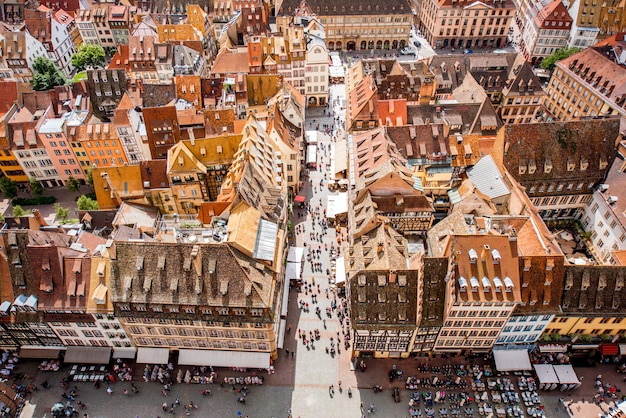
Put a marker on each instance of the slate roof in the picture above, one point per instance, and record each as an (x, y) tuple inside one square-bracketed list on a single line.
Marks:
[(213, 275), (585, 145), (594, 290)]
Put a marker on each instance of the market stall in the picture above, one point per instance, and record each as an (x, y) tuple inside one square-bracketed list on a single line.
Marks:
[(511, 360), (548, 379), (567, 376), (337, 208)]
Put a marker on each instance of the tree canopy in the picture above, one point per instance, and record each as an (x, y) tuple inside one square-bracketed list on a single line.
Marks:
[(36, 188), (72, 184), (88, 55), (549, 62), (46, 74), (8, 187), (86, 203)]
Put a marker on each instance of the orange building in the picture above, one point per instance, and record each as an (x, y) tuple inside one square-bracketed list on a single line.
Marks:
[(98, 144)]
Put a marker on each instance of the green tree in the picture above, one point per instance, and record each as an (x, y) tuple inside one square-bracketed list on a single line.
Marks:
[(18, 211), (8, 187), (46, 74), (86, 203), (549, 62), (36, 188), (88, 55), (89, 178), (61, 212), (72, 184)]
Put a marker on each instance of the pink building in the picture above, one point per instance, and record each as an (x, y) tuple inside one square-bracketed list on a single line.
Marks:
[(53, 134)]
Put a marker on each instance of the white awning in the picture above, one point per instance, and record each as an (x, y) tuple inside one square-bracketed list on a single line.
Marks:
[(87, 355), (311, 154), (340, 158), (295, 254), (566, 374), (622, 349), (152, 355), (553, 348), (546, 373), (281, 333), (221, 358), (285, 304), (292, 271), (337, 205), (340, 271), (124, 352), (509, 360), (37, 351)]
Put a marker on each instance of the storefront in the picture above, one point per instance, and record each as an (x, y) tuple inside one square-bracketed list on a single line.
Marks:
[(511, 360), (222, 358), (151, 355), (87, 355), (34, 351)]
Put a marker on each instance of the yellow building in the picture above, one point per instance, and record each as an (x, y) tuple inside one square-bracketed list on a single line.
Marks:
[(589, 83), (9, 165), (593, 302), (196, 169)]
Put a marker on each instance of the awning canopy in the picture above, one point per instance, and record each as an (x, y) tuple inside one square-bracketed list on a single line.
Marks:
[(341, 156), (87, 355), (340, 271), (292, 271), (281, 333), (566, 374), (311, 154), (609, 349), (553, 348), (546, 373), (124, 352), (510, 360), (337, 205), (152, 355), (299, 198), (585, 346), (622, 349), (221, 358), (35, 351), (295, 254)]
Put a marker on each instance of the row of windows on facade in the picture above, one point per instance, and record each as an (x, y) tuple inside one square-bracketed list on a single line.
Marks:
[(234, 345), (454, 32), (552, 187), (190, 310), (185, 332), (95, 343), (445, 342), (356, 20), (595, 331)]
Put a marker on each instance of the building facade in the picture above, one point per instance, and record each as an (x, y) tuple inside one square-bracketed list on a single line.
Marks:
[(359, 26), (463, 24)]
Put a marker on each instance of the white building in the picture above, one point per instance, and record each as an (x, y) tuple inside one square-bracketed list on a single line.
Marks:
[(604, 216), (87, 27), (61, 25), (523, 329), (34, 49), (317, 63)]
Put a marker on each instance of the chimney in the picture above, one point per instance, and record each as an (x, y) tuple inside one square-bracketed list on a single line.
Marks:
[(485, 252)]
